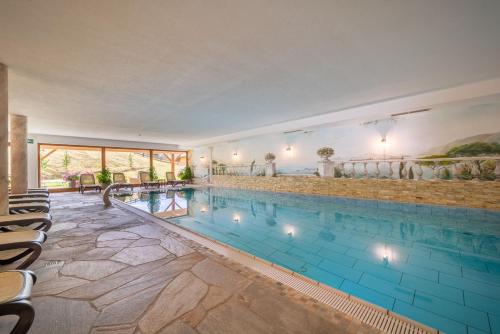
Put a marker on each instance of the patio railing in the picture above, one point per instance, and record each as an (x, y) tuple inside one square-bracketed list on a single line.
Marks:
[(464, 168), (239, 170), (461, 168)]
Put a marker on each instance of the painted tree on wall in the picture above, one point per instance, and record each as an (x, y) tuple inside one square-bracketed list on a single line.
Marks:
[(130, 161), (66, 160), (474, 149)]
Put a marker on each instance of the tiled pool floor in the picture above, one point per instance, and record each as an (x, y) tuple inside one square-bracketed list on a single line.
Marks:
[(439, 266)]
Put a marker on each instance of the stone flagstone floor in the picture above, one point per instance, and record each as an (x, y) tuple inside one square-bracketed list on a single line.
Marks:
[(108, 271)]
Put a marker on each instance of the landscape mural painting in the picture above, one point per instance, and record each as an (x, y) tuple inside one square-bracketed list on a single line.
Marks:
[(466, 129)]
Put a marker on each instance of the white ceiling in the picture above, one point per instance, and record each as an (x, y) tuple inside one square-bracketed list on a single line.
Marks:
[(188, 70)]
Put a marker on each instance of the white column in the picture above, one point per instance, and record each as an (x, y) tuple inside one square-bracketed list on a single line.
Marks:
[(4, 141), (19, 153), (210, 165)]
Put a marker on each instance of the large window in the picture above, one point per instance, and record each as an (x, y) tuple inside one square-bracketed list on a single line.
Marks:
[(59, 164), (168, 161), (127, 161)]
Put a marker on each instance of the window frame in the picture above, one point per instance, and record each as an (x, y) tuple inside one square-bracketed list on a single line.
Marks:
[(103, 157)]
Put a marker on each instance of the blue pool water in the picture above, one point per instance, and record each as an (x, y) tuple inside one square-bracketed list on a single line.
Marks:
[(437, 265)]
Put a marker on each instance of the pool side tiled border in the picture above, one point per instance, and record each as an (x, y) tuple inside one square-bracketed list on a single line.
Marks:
[(359, 309)]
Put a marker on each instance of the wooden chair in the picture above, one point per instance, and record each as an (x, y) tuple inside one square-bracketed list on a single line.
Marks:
[(171, 180), (15, 295), (87, 181), (146, 180), (121, 182), (21, 244)]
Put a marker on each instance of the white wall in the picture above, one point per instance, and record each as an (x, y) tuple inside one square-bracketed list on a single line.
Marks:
[(414, 135), (48, 139)]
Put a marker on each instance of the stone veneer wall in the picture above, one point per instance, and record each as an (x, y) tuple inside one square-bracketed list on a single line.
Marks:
[(474, 194)]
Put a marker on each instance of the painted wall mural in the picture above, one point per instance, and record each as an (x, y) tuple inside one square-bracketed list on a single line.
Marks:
[(451, 130)]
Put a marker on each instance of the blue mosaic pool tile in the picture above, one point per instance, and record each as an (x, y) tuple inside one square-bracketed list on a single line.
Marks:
[(367, 294), (359, 243), (305, 246), (481, 276), (394, 290), (428, 274), (305, 256), (423, 209), (445, 256), (468, 262), (452, 310), (483, 303), (385, 205), (378, 271), (333, 246), (432, 319), (493, 267), (495, 215), (476, 213), (262, 248), (439, 211), (276, 244), (343, 259), (341, 270), (361, 254), (472, 330), (439, 266), (469, 285), (409, 208), (436, 289), (252, 251), (494, 323), (322, 275), (287, 261)]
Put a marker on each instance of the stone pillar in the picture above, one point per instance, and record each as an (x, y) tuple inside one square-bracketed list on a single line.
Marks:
[(210, 165), (391, 171), (270, 169), (326, 168), (19, 153), (4, 142)]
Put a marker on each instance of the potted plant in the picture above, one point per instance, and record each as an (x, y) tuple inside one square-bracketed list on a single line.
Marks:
[(104, 178), (186, 174), (325, 153), (71, 178), (152, 174), (269, 157)]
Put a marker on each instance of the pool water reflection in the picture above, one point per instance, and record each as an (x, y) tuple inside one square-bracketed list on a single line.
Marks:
[(437, 265)]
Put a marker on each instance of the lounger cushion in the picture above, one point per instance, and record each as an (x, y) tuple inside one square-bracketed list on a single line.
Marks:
[(22, 236), (15, 285), (28, 218), (29, 200), (35, 206), (29, 195)]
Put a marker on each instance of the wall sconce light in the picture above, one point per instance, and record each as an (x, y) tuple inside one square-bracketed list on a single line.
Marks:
[(235, 153), (203, 210), (236, 218), (202, 158), (288, 148)]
